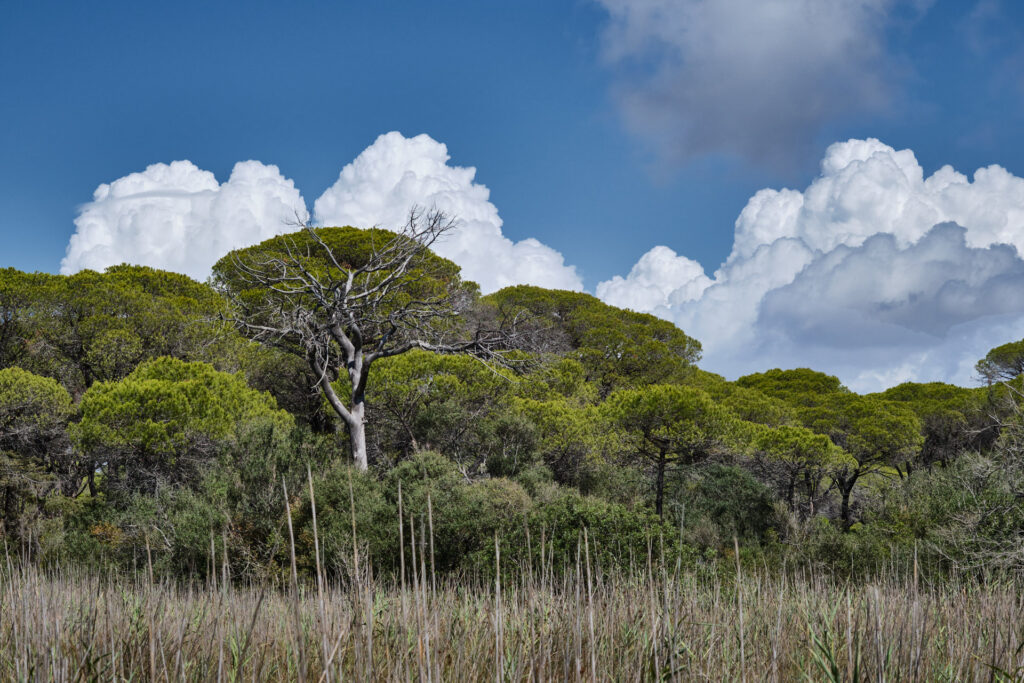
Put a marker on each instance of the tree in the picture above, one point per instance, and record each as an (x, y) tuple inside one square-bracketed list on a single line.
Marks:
[(668, 425), (161, 422), (746, 403), (795, 457), (799, 387), (427, 401), (289, 380), (91, 326), (952, 419), (1003, 363), (720, 502), (567, 433), (17, 292), (618, 348), (343, 299), (34, 412), (875, 433)]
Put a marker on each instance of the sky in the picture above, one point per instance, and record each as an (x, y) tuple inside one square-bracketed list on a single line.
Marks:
[(825, 183)]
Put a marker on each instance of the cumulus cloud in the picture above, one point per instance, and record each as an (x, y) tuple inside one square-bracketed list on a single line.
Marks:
[(178, 217), (874, 272), (660, 277), (396, 173), (754, 78)]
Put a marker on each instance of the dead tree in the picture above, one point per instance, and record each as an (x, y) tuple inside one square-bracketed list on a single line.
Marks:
[(344, 298)]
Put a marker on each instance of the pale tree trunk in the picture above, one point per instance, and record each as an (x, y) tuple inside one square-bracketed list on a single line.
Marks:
[(357, 433), (354, 416)]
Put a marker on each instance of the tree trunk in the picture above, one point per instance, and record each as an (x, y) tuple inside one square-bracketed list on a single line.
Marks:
[(845, 511), (846, 485), (10, 511), (357, 433), (659, 485), (810, 488)]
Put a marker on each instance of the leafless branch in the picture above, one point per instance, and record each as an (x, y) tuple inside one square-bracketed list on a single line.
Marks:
[(343, 311)]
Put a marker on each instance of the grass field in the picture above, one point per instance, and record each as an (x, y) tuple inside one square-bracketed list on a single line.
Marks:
[(659, 623)]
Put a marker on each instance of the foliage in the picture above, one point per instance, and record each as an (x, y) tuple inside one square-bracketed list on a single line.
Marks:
[(93, 326), (718, 502), (33, 414), (288, 379), (745, 402), (566, 434), (18, 291), (33, 411), (668, 425), (795, 459), (873, 432), (341, 299), (447, 403), (136, 422), (428, 276), (800, 387), (160, 422), (1003, 363), (619, 536), (618, 348), (466, 516), (952, 418)]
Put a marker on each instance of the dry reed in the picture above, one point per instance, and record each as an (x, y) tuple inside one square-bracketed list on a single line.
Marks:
[(582, 625)]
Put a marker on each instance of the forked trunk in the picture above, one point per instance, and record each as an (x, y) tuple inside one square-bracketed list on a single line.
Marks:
[(354, 416), (845, 486)]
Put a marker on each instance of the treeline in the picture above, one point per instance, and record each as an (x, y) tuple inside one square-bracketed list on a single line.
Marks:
[(146, 415)]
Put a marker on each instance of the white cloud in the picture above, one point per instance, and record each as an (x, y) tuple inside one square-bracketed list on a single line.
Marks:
[(751, 77), (395, 173), (866, 187), (874, 272), (177, 217), (660, 277)]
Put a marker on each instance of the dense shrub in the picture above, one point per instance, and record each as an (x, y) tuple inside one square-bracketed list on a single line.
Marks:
[(718, 502)]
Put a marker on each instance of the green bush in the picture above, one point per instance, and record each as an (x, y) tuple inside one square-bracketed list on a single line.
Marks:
[(717, 502), (619, 536), (165, 420)]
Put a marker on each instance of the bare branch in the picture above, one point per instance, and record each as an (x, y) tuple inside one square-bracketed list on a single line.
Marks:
[(343, 311)]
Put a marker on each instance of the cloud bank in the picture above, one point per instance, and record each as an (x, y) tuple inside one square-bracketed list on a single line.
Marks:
[(746, 77), (178, 217), (874, 272)]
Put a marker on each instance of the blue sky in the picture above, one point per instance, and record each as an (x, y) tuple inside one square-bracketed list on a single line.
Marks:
[(595, 132)]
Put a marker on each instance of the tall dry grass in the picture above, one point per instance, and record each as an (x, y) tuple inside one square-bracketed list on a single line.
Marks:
[(660, 622), (525, 623)]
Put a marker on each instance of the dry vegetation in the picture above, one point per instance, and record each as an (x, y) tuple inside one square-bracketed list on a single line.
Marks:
[(660, 622)]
